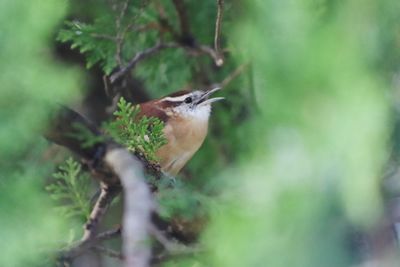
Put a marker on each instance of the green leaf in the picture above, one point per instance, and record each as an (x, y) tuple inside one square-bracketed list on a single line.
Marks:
[(71, 189), (136, 134)]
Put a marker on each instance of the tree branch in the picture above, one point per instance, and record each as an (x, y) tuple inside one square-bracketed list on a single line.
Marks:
[(108, 252), (170, 246), (119, 39), (239, 70), (139, 57), (217, 37), (233, 75), (107, 194), (138, 205), (218, 60), (109, 234)]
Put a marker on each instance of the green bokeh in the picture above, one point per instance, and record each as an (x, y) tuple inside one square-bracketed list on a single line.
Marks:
[(30, 80), (319, 142)]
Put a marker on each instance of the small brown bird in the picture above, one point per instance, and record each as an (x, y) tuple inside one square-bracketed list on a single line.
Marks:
[(185, 115)]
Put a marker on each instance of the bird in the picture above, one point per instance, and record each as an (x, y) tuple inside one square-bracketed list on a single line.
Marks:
[(185, 115)]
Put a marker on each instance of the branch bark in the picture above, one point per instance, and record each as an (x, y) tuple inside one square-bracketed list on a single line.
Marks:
[(139, 57), (108, 252), (112, 233), (217, 37), (107, 194), (137, 207), (239, 70)]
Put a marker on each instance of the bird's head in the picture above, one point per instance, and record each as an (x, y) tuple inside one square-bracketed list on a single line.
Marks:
[(195, 103)]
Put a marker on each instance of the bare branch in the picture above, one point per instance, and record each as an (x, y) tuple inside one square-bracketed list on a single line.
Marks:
[(139, 57), (89, 237), (217, 41), (119, 39), (172, 249), (161, 238), (121, 15), (239, 70), (137, 207), (212, 53), (107, 194), (103, 36), (108, 252), (171, 246), (108, 234), (131, 25)]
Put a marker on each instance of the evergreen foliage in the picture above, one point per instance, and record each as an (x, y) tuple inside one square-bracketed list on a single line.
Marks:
[(143, 134), (111, 39), (30, 79), (71, 189), (97, 50)]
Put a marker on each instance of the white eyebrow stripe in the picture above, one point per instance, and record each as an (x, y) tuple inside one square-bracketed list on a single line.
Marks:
[(176, 98)]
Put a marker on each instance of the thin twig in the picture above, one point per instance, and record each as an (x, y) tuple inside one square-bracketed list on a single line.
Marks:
[(161, 238), (212, 53), (103, 36), (218, 23), (81, 246), (172, 247), (108, 252), (103, 202), (120, 35), (133, 19), (139, 57), (234, 74), (107, 88), (89, 236), (121, 15), (108, 234), (143, 28)]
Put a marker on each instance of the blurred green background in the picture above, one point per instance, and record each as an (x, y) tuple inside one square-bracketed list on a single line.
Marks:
[(301, 163)]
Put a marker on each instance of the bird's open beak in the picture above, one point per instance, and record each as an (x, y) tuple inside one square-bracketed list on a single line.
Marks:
[(205, 100)]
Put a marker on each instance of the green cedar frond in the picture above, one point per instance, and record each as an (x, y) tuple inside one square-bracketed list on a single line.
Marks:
[(144, 135), (71, 190), (85, 38)]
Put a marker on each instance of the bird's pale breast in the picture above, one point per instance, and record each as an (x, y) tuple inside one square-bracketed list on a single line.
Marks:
[(185, 136)]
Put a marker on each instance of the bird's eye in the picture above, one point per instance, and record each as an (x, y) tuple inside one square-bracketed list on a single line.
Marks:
[(188, 100)]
